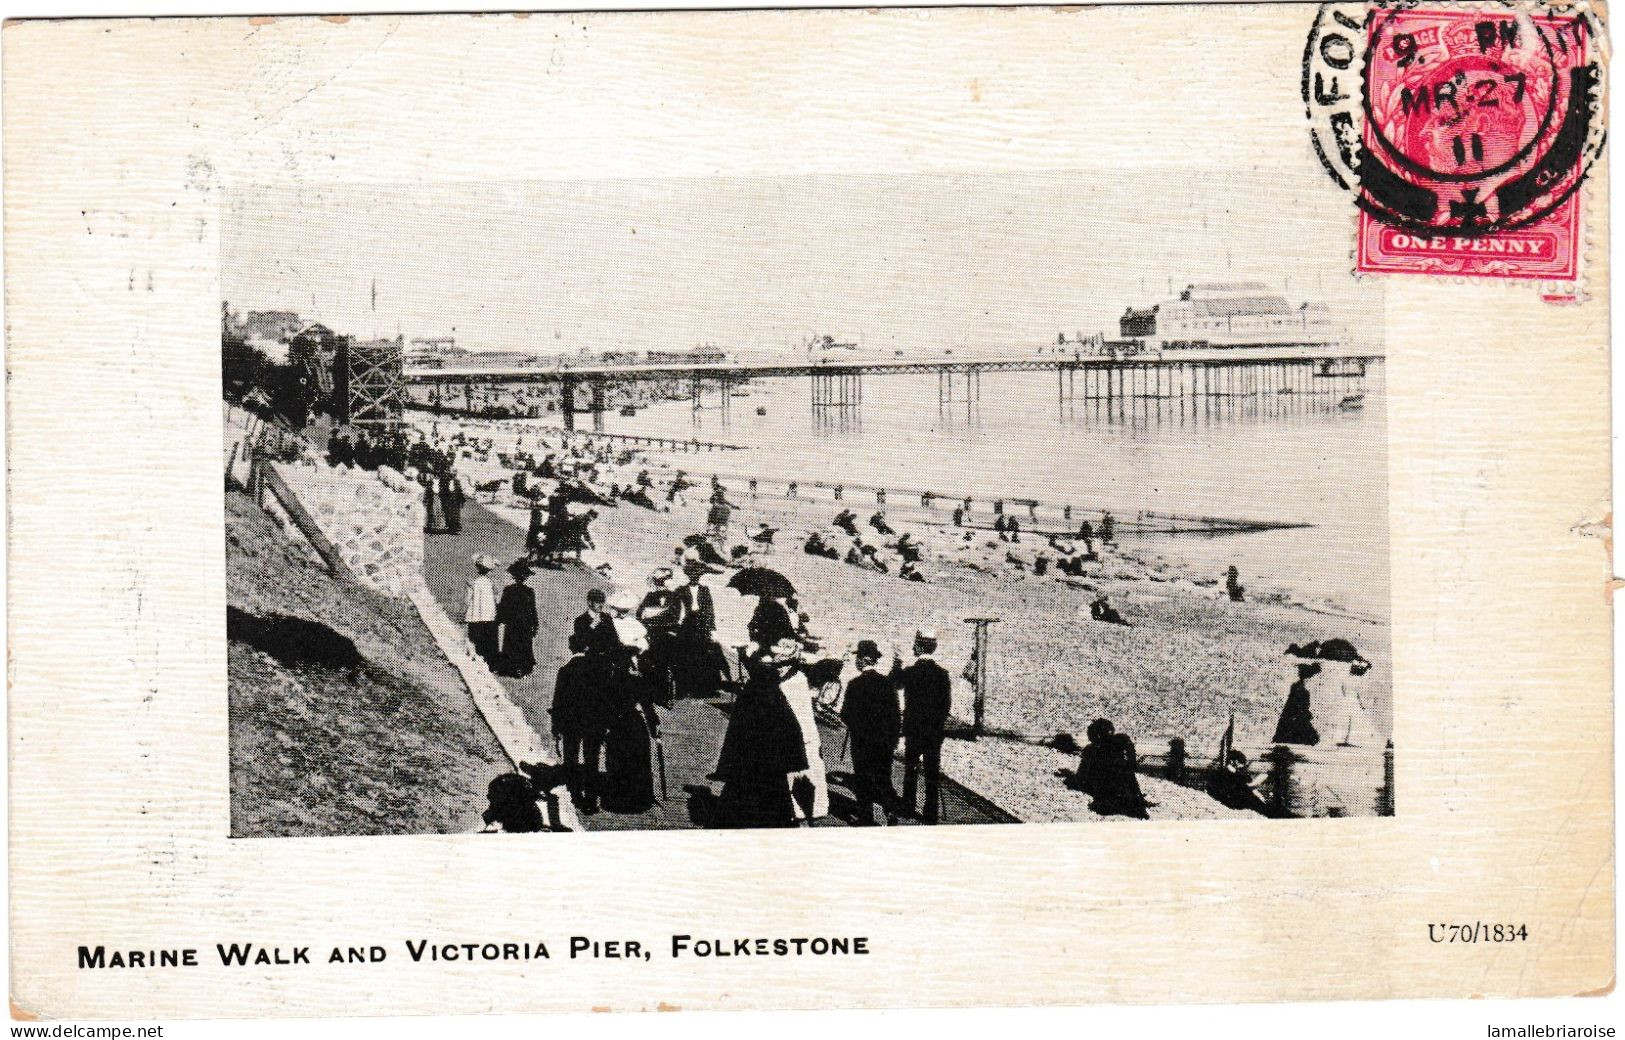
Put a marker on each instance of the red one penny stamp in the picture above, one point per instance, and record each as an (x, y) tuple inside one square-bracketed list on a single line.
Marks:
[(1464, 133)]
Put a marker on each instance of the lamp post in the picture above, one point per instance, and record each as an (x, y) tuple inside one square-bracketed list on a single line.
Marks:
[(979, 708)]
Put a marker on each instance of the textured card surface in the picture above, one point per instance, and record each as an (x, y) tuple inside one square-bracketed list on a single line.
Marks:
[(715, 510)]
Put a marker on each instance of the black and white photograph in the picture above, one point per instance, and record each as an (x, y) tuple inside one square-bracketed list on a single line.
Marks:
[(834, 500)]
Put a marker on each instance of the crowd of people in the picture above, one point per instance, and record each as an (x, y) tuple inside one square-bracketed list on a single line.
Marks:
[(878, 547), (630, 656), (354, 447)]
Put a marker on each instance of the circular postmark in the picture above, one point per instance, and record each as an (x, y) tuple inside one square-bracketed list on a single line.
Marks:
[(1469, 118)]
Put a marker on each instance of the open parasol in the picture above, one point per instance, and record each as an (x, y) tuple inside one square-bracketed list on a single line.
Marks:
[(762, 581)]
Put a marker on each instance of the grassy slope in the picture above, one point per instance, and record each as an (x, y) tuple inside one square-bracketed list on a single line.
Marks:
[(395, 747)]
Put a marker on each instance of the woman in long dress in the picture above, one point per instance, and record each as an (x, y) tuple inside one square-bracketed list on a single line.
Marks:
[(763, 747), (516, 613), (430, 501), (533, 533), (628, 784), (771, 622), (452, 498), (1297, 725), (809, 788)]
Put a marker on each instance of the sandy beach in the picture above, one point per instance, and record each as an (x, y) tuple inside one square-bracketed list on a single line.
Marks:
[(1188, 659)]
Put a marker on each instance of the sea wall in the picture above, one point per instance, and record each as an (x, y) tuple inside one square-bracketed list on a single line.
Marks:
[(375, 521)]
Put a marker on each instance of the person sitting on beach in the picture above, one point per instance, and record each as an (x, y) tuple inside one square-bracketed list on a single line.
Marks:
[(1001, 528), (679, 484), (847, 521), (1230, 784), (816, 546), (873, 561), (910, 572), (1106, 773), (908, 548), (639, 497), (763, 535), (878, 522), (1102, 610), (1071, 566), (511, 806), (1041, 564)]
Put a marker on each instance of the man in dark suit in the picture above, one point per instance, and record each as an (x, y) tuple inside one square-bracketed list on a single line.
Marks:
[(578, 721), (595, 628), (927, 696), (697, 652), (873, 725)]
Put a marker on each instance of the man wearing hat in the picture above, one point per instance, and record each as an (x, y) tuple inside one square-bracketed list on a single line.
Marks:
[(595, 628), (927, 697), (578, 715), (873, 725), (660, 612)]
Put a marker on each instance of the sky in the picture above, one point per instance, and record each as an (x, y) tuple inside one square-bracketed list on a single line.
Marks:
[(752, 264)]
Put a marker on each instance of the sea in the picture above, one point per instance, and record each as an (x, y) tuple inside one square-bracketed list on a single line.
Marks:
[(1315, 460)]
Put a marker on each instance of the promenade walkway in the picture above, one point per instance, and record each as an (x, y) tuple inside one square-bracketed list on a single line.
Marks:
[(692, 730)]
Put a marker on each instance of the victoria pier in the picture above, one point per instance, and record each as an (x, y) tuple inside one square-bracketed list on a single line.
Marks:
[(1182, 376)]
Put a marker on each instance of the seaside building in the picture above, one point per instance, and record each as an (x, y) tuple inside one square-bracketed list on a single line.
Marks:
[(274, 326), (698, 355), (1230, 314), (434, 352)]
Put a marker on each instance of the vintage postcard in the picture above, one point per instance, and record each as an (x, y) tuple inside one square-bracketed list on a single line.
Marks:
[(857, 454)]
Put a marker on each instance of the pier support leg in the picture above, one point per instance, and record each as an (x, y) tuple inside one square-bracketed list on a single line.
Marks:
[(597, 406)]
